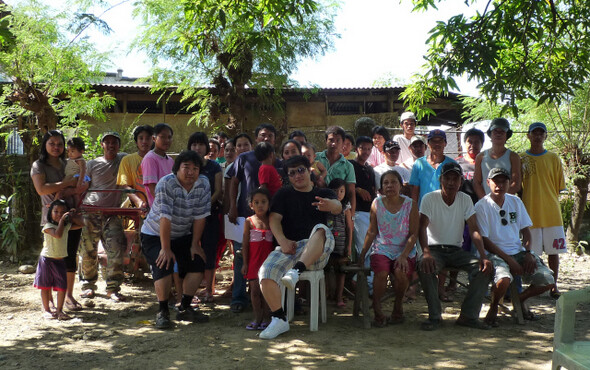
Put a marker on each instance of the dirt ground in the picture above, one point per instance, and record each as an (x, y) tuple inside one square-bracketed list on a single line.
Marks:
[(122, 335)]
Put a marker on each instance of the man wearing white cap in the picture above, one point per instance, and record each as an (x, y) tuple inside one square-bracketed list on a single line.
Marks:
[(408, 123), (542, 178), (502, 219)]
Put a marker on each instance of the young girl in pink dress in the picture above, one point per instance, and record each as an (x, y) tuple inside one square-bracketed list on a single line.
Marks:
[(257, 245)]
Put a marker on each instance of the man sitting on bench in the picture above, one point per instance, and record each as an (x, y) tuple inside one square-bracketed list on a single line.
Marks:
[(501, 219)]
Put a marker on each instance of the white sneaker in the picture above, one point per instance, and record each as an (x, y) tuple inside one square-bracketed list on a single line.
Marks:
[(274, 329), (290, 279)]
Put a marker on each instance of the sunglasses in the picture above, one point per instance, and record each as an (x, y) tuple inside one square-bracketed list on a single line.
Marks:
[(299, 170), (503, 215)]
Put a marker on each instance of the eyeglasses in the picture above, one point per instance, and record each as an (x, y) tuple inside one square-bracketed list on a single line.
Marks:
[(299, 170), (503, 215)]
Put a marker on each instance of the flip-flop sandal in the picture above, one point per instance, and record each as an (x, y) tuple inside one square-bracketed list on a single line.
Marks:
[(530, 316), (63, 317), (555, 295), (430, 325), (380, 323), (73, 306), (396, 320), (237, 308), (253, 326), (88, 293), (48, 316), (473, 323), (341, 304), (263, 325)]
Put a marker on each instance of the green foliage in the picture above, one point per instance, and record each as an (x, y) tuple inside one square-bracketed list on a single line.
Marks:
[(50, 69), (229, 44), (515, 50), (10, 226)]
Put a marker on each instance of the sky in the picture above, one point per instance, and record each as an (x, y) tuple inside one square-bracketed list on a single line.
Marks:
[(379, 39)]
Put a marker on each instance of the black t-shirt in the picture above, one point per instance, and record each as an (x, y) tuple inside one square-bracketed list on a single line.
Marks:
[(365, 179), (299, 216)]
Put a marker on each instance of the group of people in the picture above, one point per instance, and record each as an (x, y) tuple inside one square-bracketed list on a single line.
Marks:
[(402, 206)]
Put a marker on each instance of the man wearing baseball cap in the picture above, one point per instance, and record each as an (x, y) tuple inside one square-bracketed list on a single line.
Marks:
[(391, 149), (407, 121), (443, 214), (502, 218), (497, 156), (108, 229), (418, 150), (427, 170), (542, 178)]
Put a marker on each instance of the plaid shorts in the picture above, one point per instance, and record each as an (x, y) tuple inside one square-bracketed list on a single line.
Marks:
[(278, 263)]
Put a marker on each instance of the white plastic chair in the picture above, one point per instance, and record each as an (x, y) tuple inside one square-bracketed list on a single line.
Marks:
[(567, 352), (318, 296)]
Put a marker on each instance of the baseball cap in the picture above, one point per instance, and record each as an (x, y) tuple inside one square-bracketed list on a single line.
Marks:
[(497, 171), (110, 133), (437, 133), (407, 115), (501, 123), (535, 125), (419, 138), (451, 167), (390, 144)]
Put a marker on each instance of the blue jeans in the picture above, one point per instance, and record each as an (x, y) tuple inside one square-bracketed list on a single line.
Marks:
[(239, 289)]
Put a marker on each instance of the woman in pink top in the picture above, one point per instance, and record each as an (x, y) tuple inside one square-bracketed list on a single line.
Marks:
[(392, 234), (380, 135), (157, 164)]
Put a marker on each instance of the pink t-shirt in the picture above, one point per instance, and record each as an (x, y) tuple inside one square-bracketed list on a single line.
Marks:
[(376, 157), (153, 168)]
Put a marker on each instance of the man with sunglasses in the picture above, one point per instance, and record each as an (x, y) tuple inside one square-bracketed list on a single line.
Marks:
[(502, 218), (298, 218)]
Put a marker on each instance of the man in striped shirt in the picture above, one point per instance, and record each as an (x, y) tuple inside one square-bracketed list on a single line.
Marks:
[(172, 232)]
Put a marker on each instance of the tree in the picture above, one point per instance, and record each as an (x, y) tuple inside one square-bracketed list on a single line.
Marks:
[(532, 57), (569, 136), (515, 50), (50, 69), (230, 45)]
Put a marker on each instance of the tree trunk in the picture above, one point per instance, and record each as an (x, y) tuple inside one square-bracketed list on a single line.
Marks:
[(580, 199)]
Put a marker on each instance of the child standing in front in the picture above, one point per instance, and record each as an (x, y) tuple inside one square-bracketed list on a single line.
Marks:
[(257, 245), (268, 176), (51, 269), (342, 226)]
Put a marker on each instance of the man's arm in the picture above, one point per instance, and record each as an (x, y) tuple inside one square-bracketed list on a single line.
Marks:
[(351, 190), (415, 192), (287, 246), (478, 178), (198, 227), (516, 174), (327, 205), (529, 264), (233, 200), (485, 265), (428, 265), (165, 258)]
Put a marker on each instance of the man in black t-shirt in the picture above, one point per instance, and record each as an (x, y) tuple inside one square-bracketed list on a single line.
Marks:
[(298, 222)]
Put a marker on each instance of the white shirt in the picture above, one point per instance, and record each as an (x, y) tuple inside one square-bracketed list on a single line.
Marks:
[(384, 167), (446, 222), (506, 237), (404, 145)]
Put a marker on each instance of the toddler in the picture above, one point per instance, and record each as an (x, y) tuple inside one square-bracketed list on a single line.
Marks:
[(268, 176), (76, 165), (317, 168)]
